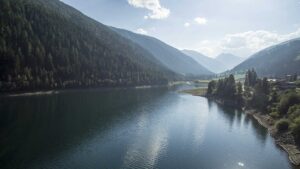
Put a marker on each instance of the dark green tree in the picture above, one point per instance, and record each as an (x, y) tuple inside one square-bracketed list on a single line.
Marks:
[(211, 87), (250, 78), (62, 48)]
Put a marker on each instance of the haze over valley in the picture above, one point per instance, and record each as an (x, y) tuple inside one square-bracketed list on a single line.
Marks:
[(149, 84)]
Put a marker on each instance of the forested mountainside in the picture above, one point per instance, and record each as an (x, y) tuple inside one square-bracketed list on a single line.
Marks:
[(209, 63), (47, 44), (170, 57), (277, 60)]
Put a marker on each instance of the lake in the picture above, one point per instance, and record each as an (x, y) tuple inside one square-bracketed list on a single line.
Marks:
[(155, 128)]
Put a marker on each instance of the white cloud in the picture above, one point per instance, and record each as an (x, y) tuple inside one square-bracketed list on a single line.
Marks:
[(157, 11), (142, 31), (200, 20), (245, 43), (187, 24), (253, 41)]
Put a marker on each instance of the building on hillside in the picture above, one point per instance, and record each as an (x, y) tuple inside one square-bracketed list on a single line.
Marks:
[(285, 85), (291, 78)]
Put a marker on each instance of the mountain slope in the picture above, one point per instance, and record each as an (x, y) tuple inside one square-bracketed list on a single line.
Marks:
[(276, 60), (47, 44), (229, 60), (172, 58), (209, 63)]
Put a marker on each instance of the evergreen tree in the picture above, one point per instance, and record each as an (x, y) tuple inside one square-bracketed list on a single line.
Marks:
[(211, 87), (60, 51), (239, 89), (250, 78), (224, 88)]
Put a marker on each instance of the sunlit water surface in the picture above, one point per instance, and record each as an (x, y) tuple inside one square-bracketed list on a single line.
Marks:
[(131, 129)]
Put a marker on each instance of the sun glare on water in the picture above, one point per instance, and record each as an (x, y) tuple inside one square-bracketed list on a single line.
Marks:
[(241, 164)]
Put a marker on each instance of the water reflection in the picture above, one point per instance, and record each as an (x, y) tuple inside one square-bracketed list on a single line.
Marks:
[(43, 125), (128, 128), (235, 116), (145, 151), (260, 132)]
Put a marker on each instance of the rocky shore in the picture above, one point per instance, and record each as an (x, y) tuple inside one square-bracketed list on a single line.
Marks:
[(284, 140)]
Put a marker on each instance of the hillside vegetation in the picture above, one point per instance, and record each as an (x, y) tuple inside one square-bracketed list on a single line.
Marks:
[(280, 106), (46, 44), (276, 60), (170, 57)]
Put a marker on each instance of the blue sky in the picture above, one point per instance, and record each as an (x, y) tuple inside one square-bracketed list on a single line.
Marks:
[(241, 27)]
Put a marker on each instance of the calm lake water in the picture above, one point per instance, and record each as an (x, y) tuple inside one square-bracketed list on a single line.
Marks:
[(131, 129)]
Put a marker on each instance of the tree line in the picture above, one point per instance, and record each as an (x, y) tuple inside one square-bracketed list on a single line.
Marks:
[(41, 48), (266, 97), (225, 89)]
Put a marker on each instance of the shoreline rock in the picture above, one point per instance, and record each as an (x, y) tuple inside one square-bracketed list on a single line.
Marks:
[(284, 140)]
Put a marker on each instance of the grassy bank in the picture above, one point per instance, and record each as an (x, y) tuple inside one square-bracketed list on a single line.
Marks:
[(201, 81), (195, 92)]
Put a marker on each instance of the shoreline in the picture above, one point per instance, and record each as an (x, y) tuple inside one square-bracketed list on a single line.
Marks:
[(35, 93), (284, 140), (57, 91), (195, 92)]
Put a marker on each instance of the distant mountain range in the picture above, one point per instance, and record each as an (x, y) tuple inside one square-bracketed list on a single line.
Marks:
[(229, 60), (277, 60), (169, 56), (47, 44), (209, 63), (221, 63)]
